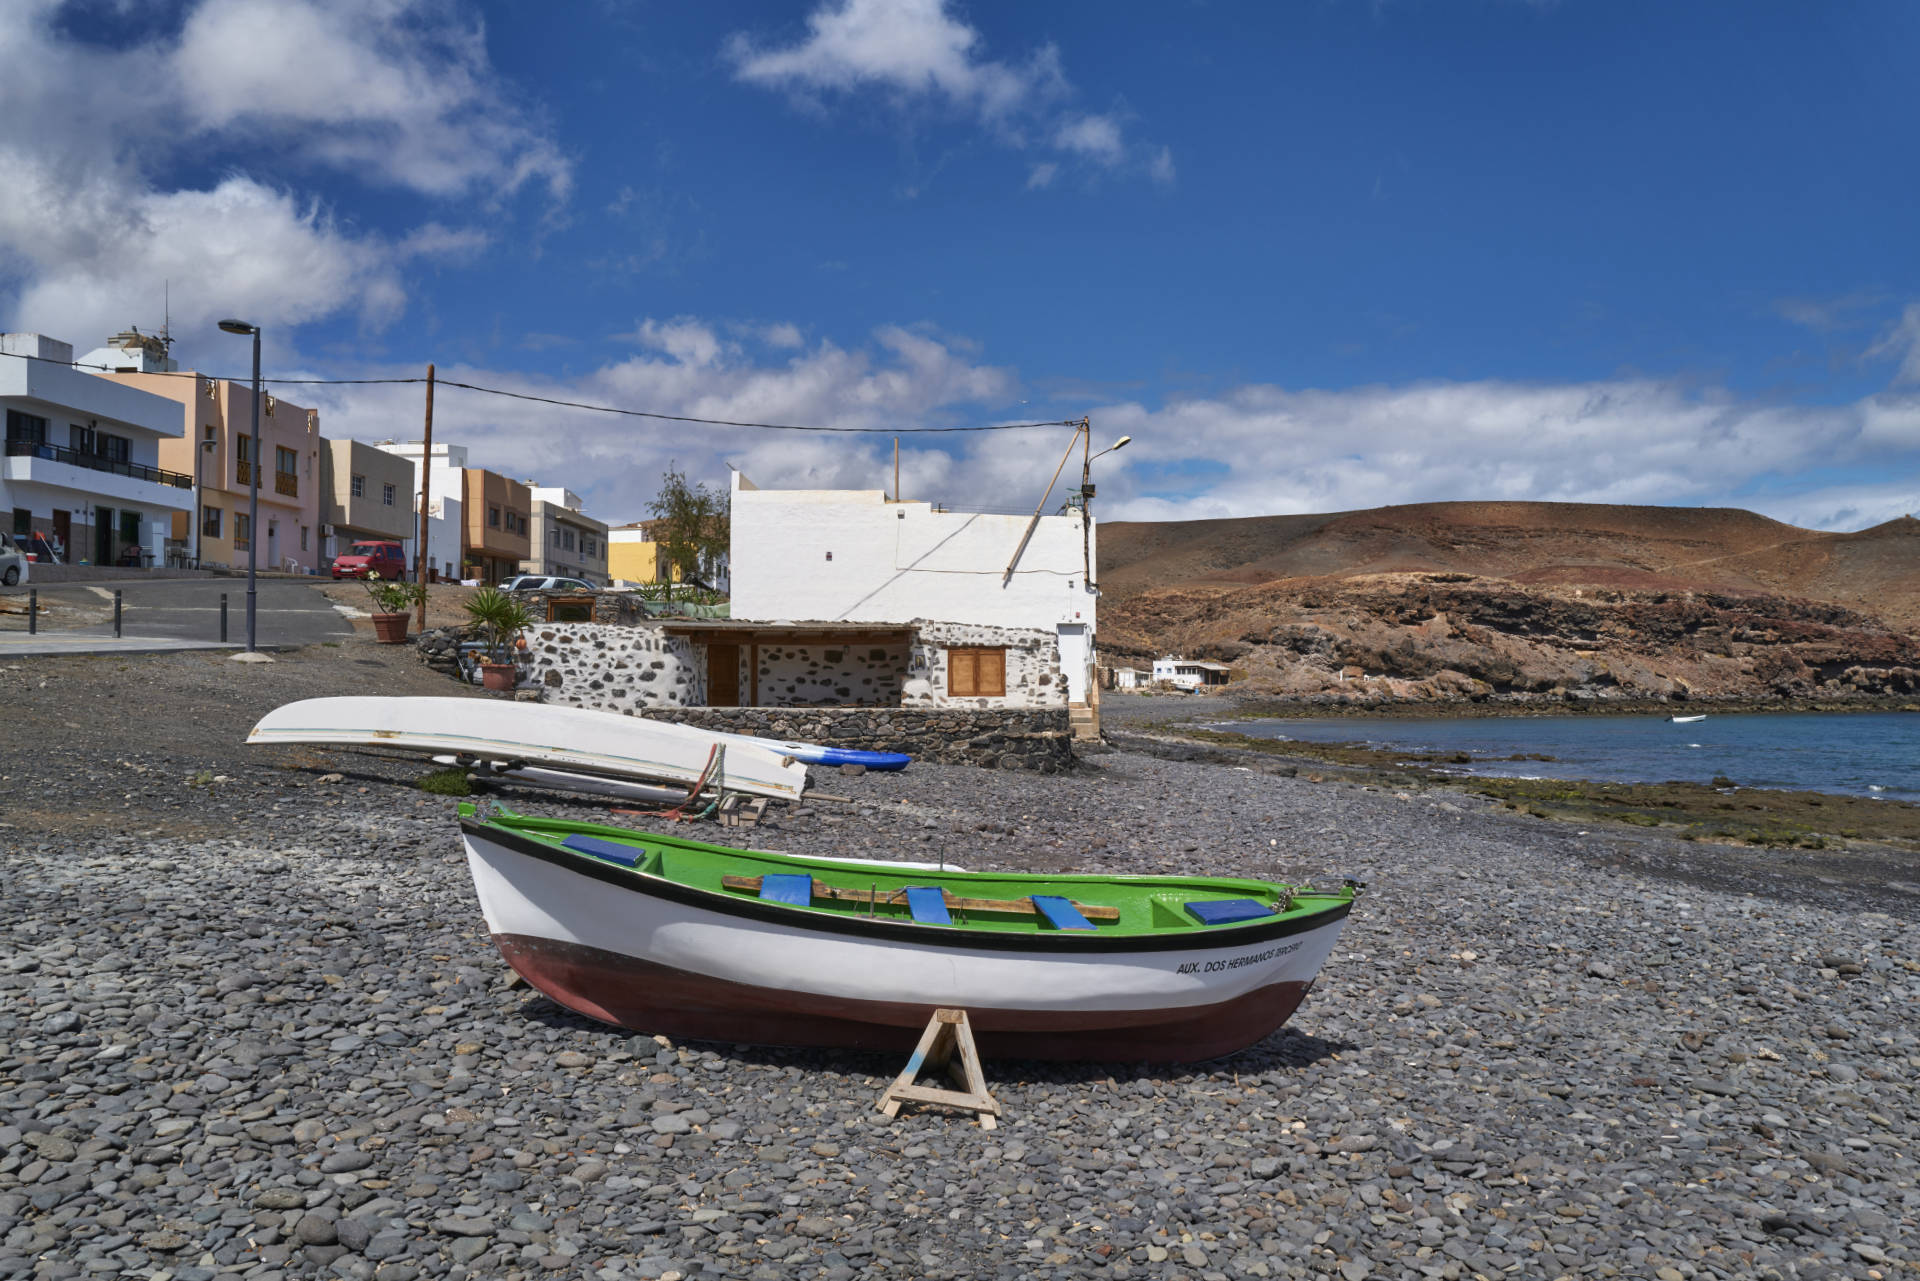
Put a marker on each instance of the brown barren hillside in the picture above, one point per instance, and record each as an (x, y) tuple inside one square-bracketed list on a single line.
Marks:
[(1561, 600)]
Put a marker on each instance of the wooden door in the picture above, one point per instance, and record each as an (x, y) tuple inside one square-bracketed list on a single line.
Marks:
[(723, 676)]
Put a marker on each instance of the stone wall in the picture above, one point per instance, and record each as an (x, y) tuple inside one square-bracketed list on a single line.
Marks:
[(608, 607), (830, 675), (1006, 738), (1033, 665), (616, 668)]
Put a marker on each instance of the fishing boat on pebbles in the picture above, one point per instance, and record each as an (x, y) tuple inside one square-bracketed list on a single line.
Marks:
[(666, 935)]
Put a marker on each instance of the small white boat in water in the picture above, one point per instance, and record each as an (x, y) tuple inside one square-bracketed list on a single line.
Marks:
[(569, 739), (1687, 720)]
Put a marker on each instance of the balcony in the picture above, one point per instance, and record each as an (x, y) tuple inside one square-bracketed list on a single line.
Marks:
[(286, 482), (242, 472), (96, 462)]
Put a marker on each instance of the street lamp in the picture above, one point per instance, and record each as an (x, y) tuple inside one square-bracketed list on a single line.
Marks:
[(253, 477), (1086, 502)]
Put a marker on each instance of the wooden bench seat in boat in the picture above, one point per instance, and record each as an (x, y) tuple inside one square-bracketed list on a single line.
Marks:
[(1088, 913), (1228, 911)]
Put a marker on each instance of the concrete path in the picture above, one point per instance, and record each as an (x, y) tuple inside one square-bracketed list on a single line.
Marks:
[(21, 645), (290, 612)]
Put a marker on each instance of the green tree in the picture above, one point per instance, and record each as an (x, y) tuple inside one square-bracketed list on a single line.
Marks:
[(692, 524)]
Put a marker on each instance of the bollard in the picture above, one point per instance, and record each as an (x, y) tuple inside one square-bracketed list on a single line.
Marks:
[(33, 610), (223, 618), (116, 613)]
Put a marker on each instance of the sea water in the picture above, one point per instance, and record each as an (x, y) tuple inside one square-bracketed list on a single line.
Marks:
[(1874, 754)]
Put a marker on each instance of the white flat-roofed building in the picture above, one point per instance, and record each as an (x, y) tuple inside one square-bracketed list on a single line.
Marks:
[(843, 555), (81, 472)]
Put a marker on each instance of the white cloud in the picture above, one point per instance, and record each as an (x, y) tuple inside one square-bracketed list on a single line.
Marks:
[(1262, 450), (1253, 450), (782, 335), (914, 47), (920, 51), (1095, 136), (1901, 342), (391, 92), (901, 378)]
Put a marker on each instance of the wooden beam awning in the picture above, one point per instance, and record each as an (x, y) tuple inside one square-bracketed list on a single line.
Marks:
[(705, 632)]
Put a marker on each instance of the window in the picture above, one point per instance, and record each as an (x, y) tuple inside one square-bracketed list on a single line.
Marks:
[(115, 449), (30, 428), (210, 522), (243, 447), (977, 673), (566, 540), (286, 461), (303, 538), (387, 495), (81, 438), (493, 517), (358, 487), (586, 544), (242, 531)]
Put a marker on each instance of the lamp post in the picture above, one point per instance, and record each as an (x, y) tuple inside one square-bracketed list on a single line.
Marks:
[(253, 477), (1086, 502)]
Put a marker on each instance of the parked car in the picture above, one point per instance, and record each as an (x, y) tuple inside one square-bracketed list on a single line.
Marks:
[(546, 583), (382, 558), (13, 562)]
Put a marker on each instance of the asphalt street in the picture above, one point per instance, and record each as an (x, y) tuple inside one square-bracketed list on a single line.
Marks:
[(289, 612)]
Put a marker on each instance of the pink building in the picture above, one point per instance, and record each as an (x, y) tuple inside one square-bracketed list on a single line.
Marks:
[(218, 450)]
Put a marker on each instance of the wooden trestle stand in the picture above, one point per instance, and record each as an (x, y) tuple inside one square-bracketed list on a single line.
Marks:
[(947, 1043)]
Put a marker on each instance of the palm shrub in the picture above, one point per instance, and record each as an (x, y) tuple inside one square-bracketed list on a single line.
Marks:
[(501, 618)]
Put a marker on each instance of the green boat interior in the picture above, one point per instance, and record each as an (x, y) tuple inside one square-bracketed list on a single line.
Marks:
[(1007, 902)]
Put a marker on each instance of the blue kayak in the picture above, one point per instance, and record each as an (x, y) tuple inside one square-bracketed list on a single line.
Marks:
[(815, 754)]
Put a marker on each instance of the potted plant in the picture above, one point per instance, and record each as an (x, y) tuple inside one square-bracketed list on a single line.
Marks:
[(391, 603), (501, 618)]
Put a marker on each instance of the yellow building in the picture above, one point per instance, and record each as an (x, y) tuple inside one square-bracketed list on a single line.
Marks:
[(634, 557)]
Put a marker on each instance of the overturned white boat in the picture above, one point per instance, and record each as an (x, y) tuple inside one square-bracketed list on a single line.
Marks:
[(570, 739)]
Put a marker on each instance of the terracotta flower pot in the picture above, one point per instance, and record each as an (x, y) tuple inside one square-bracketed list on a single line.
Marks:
[(390, 629), (498, 676)]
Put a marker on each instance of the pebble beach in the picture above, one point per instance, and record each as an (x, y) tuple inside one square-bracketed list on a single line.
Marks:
[(251, 1026)]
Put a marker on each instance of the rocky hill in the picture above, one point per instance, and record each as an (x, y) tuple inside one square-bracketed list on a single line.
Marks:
[(1523, 601)]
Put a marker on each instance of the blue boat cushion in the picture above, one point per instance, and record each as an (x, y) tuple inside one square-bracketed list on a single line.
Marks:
[(929, 905), (1226, 911), (1063, 914), (627, 855), (787, 887)]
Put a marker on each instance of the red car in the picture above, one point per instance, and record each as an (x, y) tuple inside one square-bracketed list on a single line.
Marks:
[(384, 559)]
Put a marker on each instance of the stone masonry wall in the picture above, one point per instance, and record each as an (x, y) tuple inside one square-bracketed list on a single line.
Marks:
[(830, 675), (616, 668), (1034, 678), (1005, 738)]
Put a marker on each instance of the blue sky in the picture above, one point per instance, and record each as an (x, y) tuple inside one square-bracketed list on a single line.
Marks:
[(1311, 256)]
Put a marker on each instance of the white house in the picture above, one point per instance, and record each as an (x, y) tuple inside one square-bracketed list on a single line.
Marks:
[(834, 555), (445, 490), (1189, 673), (81, 470)]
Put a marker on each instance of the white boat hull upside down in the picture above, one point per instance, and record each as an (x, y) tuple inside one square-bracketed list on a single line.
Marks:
[(570, 739)]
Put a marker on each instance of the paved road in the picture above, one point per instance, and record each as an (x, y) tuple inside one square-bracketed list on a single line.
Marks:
[(289, 613)]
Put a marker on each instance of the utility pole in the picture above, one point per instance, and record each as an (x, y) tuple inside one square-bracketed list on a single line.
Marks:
[(1027, 537), (421, 559)]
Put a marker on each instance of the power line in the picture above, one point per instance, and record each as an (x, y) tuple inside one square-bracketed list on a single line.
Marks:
[(564, 404), (725, 422)]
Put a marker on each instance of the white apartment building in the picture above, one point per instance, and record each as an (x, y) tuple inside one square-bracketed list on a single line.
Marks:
[(445, 483), (834, 555), (81, 473), (565, 541)]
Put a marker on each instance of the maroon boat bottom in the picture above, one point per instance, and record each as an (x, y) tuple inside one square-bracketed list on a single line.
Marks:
[(647, 997)]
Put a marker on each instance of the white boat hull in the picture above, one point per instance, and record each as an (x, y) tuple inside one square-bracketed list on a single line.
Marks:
[(570, 739), (609, 948)]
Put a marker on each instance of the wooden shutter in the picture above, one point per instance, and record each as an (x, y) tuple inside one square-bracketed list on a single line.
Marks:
[(962, 672), (977, 673)]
